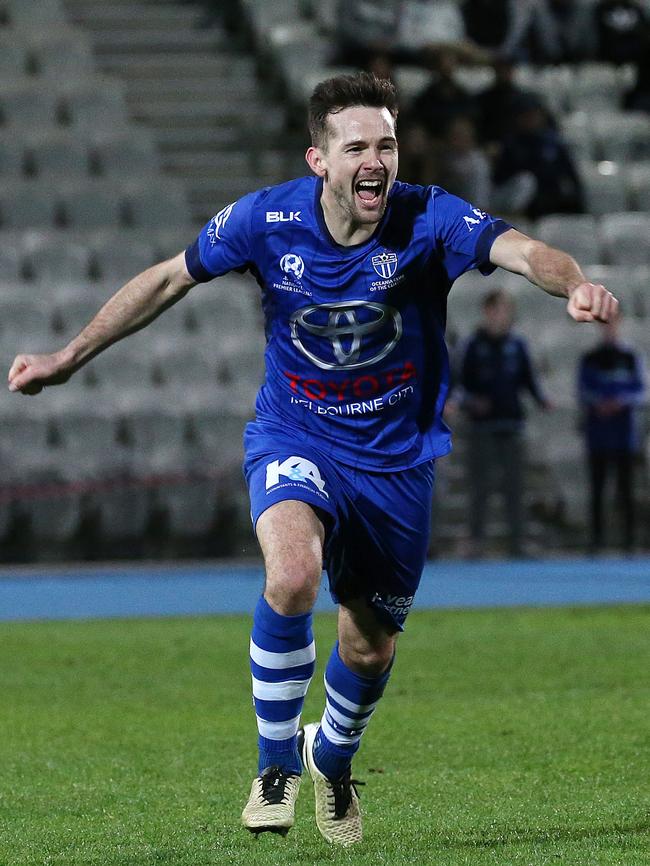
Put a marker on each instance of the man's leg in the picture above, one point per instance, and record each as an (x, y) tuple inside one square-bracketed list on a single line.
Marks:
[(355, 678), (282, 656), (597, 476)]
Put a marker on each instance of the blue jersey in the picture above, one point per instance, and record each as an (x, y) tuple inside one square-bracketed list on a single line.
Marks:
[(356, 361)]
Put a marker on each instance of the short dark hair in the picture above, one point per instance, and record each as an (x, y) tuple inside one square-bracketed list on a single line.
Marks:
[(344, 91), (495, 296)]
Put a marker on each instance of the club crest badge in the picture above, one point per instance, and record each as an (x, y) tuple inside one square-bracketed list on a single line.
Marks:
[(385, 265)]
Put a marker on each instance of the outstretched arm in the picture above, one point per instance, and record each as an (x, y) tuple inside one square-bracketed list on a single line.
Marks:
[(555, 272), (132, 307)]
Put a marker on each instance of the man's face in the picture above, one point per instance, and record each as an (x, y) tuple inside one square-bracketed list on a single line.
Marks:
[(359, 162), (499, 316)]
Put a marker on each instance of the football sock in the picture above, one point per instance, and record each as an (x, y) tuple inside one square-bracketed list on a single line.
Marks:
[(283, 658), (351, 701)]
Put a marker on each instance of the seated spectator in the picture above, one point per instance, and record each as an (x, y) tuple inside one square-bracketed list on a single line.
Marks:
[(537, 31), (462, 166), (443, 98), (573, 30), (534, 174), (496, 105), (620, 27), (638, 97), (366, 28)]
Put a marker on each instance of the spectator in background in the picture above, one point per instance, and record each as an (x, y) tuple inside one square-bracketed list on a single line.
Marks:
[(610, 388), (462, 167), (444, 98), (494, 370), (620, 26), (497, 104), (535, 174), (431, 112), (537, 31), (366, 28), (638, 97)]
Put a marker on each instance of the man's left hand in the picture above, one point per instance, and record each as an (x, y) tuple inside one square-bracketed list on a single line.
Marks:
[(591, 302)]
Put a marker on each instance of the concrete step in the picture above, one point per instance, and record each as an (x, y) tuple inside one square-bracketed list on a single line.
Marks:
[(107, 16), (226, 84), (196, 66), (147, 40)]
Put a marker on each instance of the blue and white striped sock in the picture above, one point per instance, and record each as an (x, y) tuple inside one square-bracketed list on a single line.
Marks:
[(283, 658), (351, 701)]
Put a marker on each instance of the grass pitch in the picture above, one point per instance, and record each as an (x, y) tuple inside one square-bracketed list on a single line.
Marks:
[(505, 737)]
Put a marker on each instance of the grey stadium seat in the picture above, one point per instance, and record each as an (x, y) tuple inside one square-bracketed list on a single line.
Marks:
[(37, 15), (626, 237), (29, 105), (50, 258), (157, 205), (623, 137), (93, 205), (61, 55), (11, 157), (639, 180), (577, 235), (59, 154), (95, 106), (117, 263), (25, 326), (13, 57), (604, 193), (126, 154), (11, 264), (28, 205)]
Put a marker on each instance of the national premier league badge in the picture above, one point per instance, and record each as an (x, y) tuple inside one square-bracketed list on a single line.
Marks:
[(385, 265)]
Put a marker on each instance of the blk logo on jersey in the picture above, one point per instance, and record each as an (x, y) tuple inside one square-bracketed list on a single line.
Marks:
[(279, 216), (218, 222), (295, 469), (349, 334), (293, 265), (385, 265)]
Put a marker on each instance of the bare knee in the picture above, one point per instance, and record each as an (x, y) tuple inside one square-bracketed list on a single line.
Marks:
[(368, 659), (366, 646), (291, 537)]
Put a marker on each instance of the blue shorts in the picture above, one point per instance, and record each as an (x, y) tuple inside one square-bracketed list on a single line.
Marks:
[(377, 523)]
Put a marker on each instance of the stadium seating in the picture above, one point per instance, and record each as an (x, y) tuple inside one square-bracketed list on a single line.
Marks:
[(90, 196)]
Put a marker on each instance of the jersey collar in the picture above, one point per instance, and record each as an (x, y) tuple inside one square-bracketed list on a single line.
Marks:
[(340, 248)]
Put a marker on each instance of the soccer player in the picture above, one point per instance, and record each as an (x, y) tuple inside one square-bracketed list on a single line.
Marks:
[(354, 269)]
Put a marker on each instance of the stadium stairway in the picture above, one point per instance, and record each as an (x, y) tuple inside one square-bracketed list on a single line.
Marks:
[(190, 81)]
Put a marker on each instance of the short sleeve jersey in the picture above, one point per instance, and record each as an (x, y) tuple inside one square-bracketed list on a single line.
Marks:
[(355, 357)]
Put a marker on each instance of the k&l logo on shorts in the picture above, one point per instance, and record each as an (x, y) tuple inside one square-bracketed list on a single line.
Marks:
[(385, 265), (293, 265), (295, 469)]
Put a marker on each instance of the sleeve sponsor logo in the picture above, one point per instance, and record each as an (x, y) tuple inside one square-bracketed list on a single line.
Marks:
[(218, 222), (477, 219)]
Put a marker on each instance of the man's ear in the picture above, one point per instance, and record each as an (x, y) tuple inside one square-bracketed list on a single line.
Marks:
[(316, 161)]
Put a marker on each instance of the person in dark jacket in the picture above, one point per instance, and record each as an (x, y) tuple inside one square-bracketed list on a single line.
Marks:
[(610, 389), (534, 173), (496, 368)]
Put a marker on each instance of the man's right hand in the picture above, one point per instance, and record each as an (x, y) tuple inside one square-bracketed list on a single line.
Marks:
[(31, 373)]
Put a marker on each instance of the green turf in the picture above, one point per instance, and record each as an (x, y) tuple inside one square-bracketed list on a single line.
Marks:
[(505, 737)]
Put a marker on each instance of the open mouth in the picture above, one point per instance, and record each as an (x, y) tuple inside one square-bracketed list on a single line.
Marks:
[(369, 191)]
